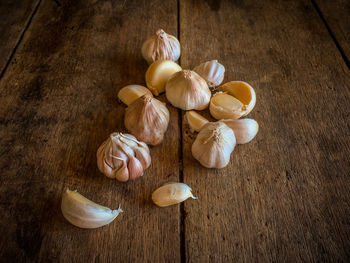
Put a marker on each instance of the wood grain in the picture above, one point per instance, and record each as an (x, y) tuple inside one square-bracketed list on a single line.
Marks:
[(337, 16), (14, 16), (285, 196), (57, 104)]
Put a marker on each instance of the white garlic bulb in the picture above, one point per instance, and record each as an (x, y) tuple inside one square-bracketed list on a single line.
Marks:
[(130, 93), (172, 193), (212, 71), (147, 119), (187, 90), (161, 46), (84, 213), (123, 157), (244, 129), (213, 145)]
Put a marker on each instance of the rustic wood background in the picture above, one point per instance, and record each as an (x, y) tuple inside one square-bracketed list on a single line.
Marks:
[(285, 197)]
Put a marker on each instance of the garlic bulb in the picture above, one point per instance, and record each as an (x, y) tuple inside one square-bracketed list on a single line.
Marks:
[(212, 71), (123, 157), (130, 93), (195, 121), (84, 213), (158, 74), (187, 90), (172, 193), (161, 46), (214, 145), (244, 129), (147, 119)]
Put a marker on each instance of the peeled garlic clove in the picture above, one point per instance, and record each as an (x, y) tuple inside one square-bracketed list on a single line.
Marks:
[(195, 121), (147, 119), (123, 157), (161, 46), (243, 92), (158, 74), (130, 93), (214, 145), (187, 90), (245, 129), (84, 213), (225, 106), (212, 71), (172, 193)]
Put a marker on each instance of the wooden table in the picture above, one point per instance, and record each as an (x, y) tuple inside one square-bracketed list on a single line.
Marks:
[(284, 197)]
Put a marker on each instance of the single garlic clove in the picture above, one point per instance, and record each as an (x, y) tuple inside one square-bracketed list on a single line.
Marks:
[(213, 145), (225, 106), (147, 119), (187, 90), (212, 71), (161, 46), (158, 74), (244, 129), (195, 121), (243, 92), (172, 193), (84, 213), (130, 93)]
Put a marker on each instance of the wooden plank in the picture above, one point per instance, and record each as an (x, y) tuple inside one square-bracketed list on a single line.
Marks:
[(284, 197), (57, 105), (14, 16), (337, 15)]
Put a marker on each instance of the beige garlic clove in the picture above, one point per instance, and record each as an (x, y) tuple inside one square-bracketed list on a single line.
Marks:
[(84, 213), (161, 46), (187, 90), (214, 145), (225, 106), (195, 121), (123, 157), (244, 129), (147, 119), (172, 193), (212, 71), (158, 74), (130, 93), (243, 92)]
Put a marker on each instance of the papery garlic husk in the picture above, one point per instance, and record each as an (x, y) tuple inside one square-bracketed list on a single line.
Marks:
[(158, 74), (147, 119), (172, 193), (130, 93), (161, 46), (84, 213), (188, 91), (214, 145), (243, 92), (244, 129), (212, 71), (195, 120), (123, 157), (225, 106)]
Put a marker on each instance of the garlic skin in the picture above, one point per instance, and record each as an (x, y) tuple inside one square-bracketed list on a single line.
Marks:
[(123, 157), (195, 121), (214, 145), (147, 119), (212, 71), (225, 106), (158, 74), (84, 213), (172, 193), (161, 46), (130, 93), (187, 90), (244, 129)]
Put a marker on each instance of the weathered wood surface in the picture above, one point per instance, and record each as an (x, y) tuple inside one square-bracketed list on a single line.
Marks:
[(58, 102), (285, 196), (15, 15), (337, 15)]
